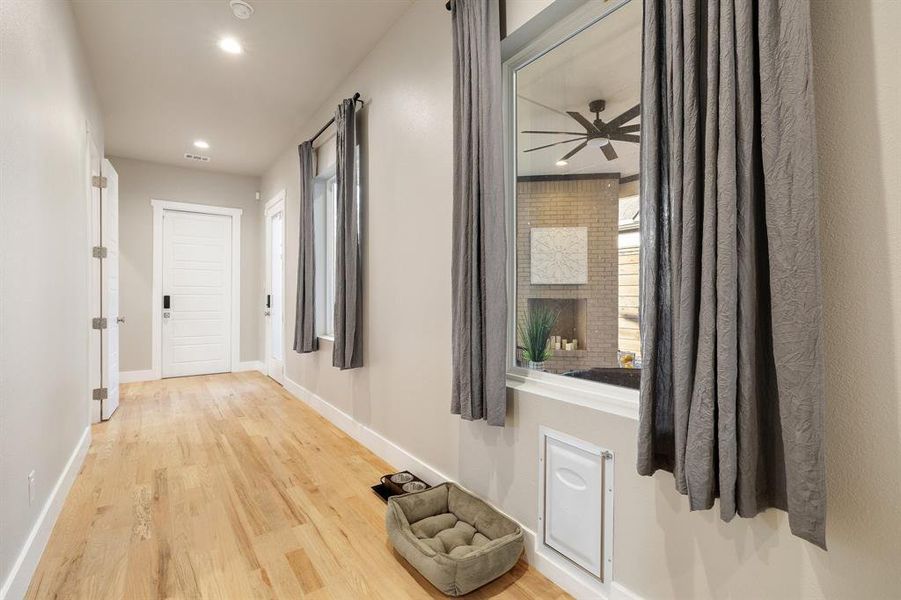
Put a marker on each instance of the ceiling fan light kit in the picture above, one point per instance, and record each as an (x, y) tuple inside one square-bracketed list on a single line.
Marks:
[(597, 134)]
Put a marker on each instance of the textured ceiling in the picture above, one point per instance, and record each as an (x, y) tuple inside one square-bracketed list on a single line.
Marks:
[(163, 82)]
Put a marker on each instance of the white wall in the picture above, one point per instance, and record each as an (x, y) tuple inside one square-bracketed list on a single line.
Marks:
[(661, 549), (139, 182), (46, 99), (406, 144)]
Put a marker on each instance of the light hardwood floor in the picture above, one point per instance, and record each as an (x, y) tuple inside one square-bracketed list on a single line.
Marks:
[(225, 486)]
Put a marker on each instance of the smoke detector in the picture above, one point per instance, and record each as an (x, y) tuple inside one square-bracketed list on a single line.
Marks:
[(241, 9)]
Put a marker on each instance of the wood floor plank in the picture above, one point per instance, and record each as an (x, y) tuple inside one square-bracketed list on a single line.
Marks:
[(225, 486)]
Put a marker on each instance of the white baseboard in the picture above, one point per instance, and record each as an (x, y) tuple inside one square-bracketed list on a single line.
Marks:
[(620, 592), (381, 446), (250, 365), (16, 584), (149, 375), (578, 583), (569, 577), (134, 376)]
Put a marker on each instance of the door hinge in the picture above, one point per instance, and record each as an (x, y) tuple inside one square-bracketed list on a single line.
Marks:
[(98, 251), (100, 393), (98, 181), (98, 323)]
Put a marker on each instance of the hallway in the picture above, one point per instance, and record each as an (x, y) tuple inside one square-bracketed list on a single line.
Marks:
[(225, 486)]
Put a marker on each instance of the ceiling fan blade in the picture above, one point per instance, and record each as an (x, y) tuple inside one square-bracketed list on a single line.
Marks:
[(629, 128), (554, 144), (588, 125), (622, 137), (625, 117), (559, 132), (572, 152), (608, 151)]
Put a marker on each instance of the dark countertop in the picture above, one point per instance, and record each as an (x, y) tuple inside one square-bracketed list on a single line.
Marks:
[(630, 378)]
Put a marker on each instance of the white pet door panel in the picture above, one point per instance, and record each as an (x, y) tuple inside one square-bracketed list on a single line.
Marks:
[(574, 507)]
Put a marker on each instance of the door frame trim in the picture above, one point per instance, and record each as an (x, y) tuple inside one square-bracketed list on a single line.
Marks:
[(159, 207), (275, 204), (93, 354)]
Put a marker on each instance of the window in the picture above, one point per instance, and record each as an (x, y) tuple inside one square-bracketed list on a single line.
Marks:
[(574, 230), (324, 194)]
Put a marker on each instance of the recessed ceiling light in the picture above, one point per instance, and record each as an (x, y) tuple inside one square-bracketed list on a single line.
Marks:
[(230, 45), (561, 163), (201, 144)]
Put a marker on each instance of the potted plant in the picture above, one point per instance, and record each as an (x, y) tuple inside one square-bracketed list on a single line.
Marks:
[(534, 333)]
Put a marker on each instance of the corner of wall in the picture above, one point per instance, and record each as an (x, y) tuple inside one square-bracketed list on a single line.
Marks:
[(19, 578)]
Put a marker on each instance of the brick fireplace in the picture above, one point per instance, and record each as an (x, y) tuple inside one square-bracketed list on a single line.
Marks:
[(589, 311)]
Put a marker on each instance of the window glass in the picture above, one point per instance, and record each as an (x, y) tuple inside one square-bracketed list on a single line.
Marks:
[(331, 194), (576, 204), (325, 190)]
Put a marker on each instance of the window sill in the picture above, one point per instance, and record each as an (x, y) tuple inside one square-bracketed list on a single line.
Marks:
[(612, 399), (327, 338)]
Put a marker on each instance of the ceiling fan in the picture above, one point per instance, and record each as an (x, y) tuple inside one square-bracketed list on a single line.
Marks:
[(598, 134)]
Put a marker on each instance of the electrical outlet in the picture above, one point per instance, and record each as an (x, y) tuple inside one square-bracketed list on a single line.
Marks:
[(30, 487)]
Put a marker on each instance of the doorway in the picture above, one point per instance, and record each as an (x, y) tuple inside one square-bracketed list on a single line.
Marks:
[(196, 289), (275, 288)]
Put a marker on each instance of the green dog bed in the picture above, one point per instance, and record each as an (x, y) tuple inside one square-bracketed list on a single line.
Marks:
[(452, 538)]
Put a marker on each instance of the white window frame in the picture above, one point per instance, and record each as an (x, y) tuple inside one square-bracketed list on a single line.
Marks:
[(606, 397), (324, 285)]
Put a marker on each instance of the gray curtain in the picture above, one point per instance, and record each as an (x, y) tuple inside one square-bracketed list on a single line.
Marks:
[(347, 352), (479, 302), (732, 387), (305, 339)]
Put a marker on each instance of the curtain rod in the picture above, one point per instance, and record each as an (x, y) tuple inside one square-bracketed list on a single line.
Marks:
[(356, 98)]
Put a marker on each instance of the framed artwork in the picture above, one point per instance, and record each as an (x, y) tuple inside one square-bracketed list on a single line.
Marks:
[(559, 255)]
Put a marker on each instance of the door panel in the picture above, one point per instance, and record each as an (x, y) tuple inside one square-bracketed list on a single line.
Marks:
[(96, 287), (196, 330), (275, 289), (573, 502), (110, 274), (278, 335)]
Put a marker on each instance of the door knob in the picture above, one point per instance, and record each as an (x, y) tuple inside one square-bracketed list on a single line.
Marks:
[(120, 319)]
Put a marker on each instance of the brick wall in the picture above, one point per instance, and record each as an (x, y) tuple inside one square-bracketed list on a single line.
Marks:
[(591, 203)]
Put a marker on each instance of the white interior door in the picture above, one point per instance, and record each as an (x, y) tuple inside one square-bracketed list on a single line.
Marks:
[(275, 289), (109, 220), (95, 287), (196, 286)]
